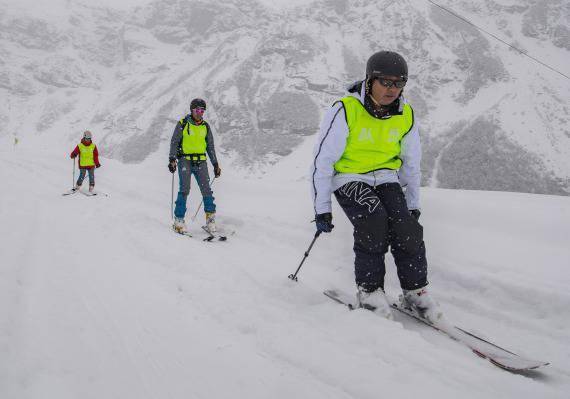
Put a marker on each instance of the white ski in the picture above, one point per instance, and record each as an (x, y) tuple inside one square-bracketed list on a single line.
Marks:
[(498, 356)]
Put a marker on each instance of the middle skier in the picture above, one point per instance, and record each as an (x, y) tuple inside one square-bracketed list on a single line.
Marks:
[(191, 140)]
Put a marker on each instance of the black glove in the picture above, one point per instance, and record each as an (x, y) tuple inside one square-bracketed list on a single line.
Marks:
[(324, 222), (217, 171), (415, 213), (172, 166)]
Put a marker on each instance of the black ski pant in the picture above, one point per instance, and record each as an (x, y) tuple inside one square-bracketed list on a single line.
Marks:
[(381, 219)]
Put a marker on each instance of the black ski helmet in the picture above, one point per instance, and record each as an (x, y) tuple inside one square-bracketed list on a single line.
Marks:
[(385, 63), (197, 103)]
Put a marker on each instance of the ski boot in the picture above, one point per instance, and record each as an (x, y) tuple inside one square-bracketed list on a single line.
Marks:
[(375, 301), (423, 304), (211, 222), (179, 226), (91, 189)]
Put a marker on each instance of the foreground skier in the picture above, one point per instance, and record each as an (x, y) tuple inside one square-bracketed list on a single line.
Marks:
[(369, 148), (191, 140)]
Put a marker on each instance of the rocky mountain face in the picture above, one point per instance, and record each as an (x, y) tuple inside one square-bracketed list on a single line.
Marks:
[(492, 119)]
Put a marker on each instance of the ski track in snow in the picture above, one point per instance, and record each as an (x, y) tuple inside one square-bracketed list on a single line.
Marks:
[(102, 299)]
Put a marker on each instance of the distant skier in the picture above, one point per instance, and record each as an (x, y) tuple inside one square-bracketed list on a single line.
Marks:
[(88, 160), (367, 150), (191, 140)]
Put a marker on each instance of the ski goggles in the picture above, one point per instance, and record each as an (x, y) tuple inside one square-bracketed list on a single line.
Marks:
[(199, 111), (391, 83)]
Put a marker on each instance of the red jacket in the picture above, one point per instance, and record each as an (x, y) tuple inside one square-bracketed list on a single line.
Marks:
[(95, 155)]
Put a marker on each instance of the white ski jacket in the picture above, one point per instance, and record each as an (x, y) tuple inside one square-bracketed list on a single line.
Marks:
[(330, 145)]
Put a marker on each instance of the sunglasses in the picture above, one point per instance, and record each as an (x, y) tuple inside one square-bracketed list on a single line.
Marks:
[(199, 110), (391, 83)]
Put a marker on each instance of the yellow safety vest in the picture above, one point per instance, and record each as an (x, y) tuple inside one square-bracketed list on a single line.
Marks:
[(86, 157), (372, 143), (194, 141)]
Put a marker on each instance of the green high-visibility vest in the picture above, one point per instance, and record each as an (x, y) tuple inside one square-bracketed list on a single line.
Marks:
[(372, 143), (194, 141), (86, 157)]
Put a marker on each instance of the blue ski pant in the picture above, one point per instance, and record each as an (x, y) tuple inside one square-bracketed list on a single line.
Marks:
[(381, 220), (82, 176), (199, 169)]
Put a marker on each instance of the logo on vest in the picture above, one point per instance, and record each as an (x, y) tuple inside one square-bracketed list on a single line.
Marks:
[(393, 136), (366, 135)]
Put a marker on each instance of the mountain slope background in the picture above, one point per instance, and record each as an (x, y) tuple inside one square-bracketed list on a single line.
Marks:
[(491, 118), (100, 299)]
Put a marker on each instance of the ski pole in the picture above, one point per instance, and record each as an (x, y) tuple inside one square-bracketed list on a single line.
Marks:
[(211, 183), (73, 184), (172, 199), (294, 276)]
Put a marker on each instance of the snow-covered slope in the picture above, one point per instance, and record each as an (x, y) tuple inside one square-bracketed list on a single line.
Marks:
[(492, 119), (99, 299)]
